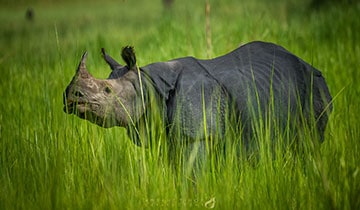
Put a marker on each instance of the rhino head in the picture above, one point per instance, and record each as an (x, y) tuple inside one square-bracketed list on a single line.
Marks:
[(115, 101)]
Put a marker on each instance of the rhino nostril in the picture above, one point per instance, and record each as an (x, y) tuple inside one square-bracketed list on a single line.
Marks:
[(78, 93)]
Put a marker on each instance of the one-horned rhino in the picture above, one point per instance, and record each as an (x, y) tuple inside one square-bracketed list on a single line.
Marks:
[(196, 97)]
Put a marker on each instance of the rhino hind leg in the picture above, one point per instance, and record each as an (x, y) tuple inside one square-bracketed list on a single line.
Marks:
[(322, 104)]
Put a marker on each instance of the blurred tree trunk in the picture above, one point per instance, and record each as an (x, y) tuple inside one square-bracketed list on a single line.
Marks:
[(168, 3), (320, 3)]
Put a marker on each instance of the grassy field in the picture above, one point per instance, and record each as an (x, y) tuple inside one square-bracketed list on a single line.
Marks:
[(51, 160)]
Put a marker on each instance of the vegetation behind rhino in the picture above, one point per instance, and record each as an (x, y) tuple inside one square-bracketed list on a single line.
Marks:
[(196, 98)]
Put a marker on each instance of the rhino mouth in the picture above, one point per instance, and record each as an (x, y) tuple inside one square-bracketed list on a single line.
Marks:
[(81, 108), (72, 107), (88, 111)]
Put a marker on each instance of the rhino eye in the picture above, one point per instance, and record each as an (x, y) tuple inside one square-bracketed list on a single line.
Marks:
[(107, 90)]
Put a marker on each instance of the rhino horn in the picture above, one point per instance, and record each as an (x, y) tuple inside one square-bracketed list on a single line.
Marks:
[(82, 71), (82, 64), (109, 60)]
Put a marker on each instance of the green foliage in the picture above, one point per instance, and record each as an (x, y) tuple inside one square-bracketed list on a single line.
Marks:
[(51, 160)]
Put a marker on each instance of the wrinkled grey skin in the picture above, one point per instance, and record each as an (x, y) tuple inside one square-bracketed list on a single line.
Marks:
[(107, 103), (249, 83)]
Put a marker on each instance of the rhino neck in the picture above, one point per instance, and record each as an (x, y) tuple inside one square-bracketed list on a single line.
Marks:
[(129, 101), (152, 106)]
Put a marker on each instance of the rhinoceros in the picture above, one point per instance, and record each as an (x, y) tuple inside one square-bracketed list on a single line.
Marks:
[(257, 81)]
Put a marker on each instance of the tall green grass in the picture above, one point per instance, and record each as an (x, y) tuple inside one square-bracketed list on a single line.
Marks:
[(51, 160)]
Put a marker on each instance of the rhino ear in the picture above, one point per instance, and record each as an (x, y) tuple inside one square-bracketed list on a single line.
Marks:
[(128, 54), (109, 60)]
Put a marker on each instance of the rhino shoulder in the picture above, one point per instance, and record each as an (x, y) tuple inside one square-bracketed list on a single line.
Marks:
[(164, 75)]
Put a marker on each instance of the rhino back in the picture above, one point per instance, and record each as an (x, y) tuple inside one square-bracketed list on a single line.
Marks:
[(258, 74)]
